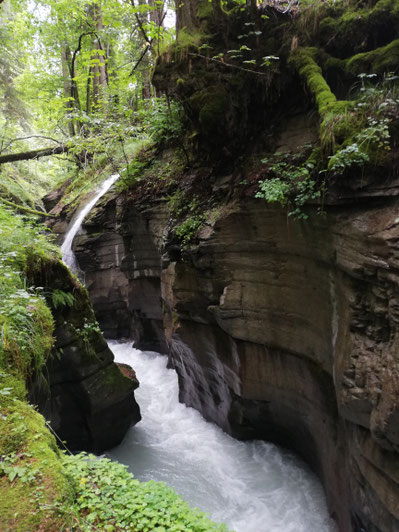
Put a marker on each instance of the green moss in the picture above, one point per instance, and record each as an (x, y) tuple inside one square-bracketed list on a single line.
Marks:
[(32, 480), (211, 104), (33, 483), (204, 9), (380, 60), (354, 27), (334, 63), (339, 125), (303, 59), (26, 323)]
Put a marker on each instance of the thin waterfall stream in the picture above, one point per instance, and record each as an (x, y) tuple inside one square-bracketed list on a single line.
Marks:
[(251, 486), (68, 255)]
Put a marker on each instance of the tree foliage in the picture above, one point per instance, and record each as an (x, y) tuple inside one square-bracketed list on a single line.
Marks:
[(81, 67)]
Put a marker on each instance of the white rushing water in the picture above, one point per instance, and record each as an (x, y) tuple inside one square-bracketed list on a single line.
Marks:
[(251, 486), (68, 255)]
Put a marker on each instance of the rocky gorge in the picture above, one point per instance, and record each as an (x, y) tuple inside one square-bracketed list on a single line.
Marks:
[(278, 329), (283, 328)]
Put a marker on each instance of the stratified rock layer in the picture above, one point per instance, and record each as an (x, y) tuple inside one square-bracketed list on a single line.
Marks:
[(120, 257), (278, 329)]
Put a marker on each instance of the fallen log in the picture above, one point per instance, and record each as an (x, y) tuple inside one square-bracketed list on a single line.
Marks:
[(33, 154)]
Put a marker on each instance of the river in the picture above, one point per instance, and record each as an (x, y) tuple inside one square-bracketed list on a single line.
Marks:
[(251, 486)]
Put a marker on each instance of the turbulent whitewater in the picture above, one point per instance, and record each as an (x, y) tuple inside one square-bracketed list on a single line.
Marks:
[(251, 486)]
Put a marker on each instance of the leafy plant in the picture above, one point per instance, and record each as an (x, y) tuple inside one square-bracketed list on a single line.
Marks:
[(162, 120), (348, 157), (107, 497), (368, 144), (59, 298), (86, 331), (189, 227), (291, 185), (189, 213)]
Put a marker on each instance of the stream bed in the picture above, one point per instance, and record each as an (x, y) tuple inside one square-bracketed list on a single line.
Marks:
[(251, 486)]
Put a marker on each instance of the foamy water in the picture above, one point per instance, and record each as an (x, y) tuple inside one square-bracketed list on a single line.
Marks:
[(251, 486)]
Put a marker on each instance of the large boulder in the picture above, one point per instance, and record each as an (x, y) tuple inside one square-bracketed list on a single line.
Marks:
[(89, 403)]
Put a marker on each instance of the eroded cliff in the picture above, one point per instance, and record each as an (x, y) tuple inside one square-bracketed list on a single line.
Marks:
[(279, 327)]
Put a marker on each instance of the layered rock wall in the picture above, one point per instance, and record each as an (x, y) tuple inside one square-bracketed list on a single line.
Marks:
[(119, 253), (278, 329)]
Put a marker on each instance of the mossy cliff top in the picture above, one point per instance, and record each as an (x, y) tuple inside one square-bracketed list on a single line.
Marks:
[(240, 72)]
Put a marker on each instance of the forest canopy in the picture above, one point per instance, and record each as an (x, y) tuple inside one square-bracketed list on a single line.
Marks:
[(75, 76)]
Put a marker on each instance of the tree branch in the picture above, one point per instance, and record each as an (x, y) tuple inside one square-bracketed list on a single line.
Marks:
[(140, 23), (29, 137), (146, 49), (227, 64), (33, 154), (77, 50), (140, 59), (27, 209)]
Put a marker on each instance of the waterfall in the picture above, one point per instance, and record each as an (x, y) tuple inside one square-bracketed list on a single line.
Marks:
[(251, 486), (68, 255)]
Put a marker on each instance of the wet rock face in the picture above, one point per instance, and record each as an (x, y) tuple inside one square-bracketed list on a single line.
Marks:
[(289, 332), (118, 251), (89, 403), (281, 330)]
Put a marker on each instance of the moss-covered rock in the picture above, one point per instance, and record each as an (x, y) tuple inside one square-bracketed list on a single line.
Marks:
[(378, 61), (86, 392), (33, 483)]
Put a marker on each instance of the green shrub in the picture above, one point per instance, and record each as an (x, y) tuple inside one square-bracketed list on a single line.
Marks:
[(189, 227), (290, 185), (107, 497), (163, 121)]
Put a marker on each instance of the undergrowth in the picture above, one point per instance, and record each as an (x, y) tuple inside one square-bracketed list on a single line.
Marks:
[(25, 182), (354, 135), (107, 497), (26, 323)]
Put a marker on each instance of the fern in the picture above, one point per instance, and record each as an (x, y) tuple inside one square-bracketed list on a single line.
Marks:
[(59, 298)]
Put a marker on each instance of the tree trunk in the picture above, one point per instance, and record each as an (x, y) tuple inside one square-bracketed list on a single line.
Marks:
[(186, 15), (66, 74), (99, 69), (32, 154)]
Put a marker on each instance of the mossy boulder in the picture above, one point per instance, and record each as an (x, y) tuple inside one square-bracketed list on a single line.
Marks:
[(378, 61), (33, 484), (357, 28), (86, 393)]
